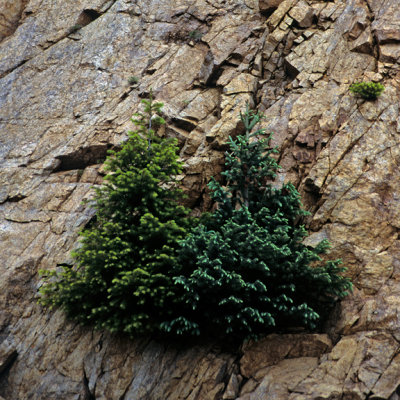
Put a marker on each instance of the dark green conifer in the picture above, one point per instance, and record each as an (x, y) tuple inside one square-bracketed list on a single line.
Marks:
[(122, 278), (246, 271)]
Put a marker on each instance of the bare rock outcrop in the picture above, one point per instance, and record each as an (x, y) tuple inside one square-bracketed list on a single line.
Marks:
[(66, 98)]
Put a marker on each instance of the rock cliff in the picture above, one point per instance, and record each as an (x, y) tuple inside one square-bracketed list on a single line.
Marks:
[(66, 97)]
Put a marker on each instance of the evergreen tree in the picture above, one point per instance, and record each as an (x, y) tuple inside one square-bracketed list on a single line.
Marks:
[(122, 277), (246, 271)]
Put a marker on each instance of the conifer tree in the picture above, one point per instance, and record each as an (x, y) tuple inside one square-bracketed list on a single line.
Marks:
[(122, 280), (246, 271)]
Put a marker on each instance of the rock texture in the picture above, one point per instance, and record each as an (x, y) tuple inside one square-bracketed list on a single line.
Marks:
[(65, 98)]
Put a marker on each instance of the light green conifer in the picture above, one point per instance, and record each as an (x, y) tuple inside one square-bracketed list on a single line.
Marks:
[(121, 280)]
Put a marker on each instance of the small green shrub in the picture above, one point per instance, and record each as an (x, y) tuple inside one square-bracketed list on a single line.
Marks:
[(195, 35), (367, 90), (246, 272), (122, 279), (133, 80), (74, 28)]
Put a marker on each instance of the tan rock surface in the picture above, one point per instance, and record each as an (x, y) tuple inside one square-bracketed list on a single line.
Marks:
[(267, 6), (65, 98), (10, 13)]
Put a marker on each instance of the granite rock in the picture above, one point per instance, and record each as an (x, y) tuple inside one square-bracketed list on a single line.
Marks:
[(65, 99)]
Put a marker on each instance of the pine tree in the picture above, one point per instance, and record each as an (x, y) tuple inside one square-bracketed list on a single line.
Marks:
[(246, 271), (122, 280)]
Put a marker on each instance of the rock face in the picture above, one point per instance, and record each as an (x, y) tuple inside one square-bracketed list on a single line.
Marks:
[(65, 98)]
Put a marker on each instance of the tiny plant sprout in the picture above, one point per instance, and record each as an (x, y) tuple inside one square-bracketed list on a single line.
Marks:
[(133, 80), (74, 28)]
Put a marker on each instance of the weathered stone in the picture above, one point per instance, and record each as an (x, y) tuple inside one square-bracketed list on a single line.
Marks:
[(384, 36), (232, 389), (363, 357), (8, 354), (307, 138), (386, 30), (280, 13), (376, 272), (228, 124), (244, 83), (364, 43), (389, 52), (303, 14), (388, 383), (65, 99), (275, 381), (275, 348), (267, 6), (303, 156), (357, 28), (10, 13)]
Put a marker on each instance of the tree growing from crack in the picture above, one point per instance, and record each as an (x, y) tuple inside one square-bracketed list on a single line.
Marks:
[(122, 278), (246, 271)]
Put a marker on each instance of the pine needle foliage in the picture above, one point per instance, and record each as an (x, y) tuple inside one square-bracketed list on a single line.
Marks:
[(246, 272), (122, 278), (367, 90)]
